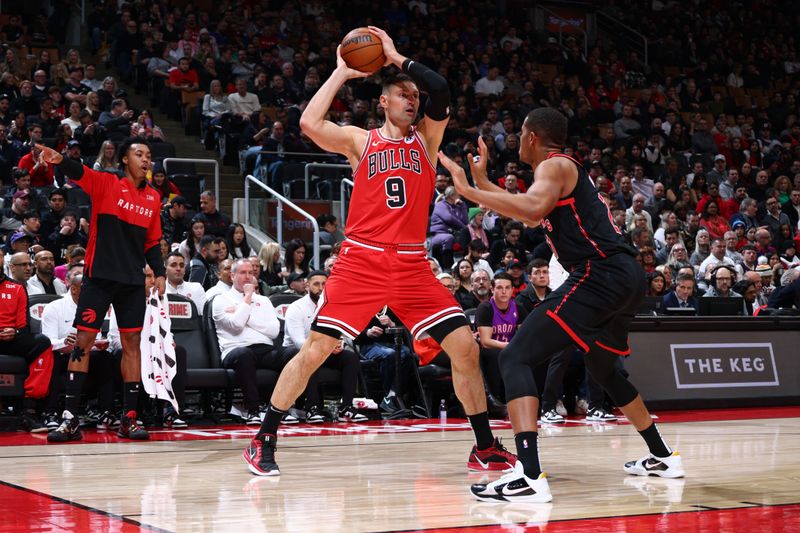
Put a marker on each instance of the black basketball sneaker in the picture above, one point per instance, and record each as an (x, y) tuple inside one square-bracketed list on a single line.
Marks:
[(129, 428)]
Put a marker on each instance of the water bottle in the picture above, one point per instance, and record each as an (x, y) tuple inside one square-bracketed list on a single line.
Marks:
[(443, 412)]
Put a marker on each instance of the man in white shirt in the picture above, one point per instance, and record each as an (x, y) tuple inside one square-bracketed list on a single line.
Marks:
[(176, 268), (490, 85), (299, 316), (57, 325), (636, 208), (243, 103), (247, 327), (43, 280), (715, 258), (224, 284)]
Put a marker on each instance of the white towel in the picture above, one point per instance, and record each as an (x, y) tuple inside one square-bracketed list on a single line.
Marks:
[(158, 353)]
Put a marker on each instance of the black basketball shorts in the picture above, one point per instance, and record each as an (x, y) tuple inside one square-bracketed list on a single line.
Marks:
[(129, 303)]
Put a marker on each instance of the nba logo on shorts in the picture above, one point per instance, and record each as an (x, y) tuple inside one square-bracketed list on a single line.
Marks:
[(525, 443)]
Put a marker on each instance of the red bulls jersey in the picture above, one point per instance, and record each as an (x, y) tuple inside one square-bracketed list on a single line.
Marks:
[(393, 188)]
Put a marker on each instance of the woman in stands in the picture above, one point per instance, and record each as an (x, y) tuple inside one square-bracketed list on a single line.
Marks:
[(107, 158), (296, 259), (107, 93), (711, 220), (677, 258), (656, 284), (270, 258), (162, 184), (190, 244), (783, 186), (42, 63), (93, 105), (145, 128), (702, 247), (463, 275), (647, 259), (236, 238), (215, 106)]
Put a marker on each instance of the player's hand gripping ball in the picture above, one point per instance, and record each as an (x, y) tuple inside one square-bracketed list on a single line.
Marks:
[(362, 51)]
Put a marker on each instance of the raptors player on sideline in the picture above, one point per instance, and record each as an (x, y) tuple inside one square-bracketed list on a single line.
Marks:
[(592, 309), (124, 236), (394, 177)]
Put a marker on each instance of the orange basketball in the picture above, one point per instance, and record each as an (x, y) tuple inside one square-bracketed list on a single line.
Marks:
[(363, 51)]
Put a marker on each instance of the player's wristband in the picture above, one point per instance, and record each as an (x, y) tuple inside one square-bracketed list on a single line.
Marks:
[(71, 168)]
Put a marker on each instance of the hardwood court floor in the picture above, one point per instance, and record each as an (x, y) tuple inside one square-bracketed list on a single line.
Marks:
[(742, 474)]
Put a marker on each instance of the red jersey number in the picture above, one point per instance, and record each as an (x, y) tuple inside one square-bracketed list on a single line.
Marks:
[(395, 192)]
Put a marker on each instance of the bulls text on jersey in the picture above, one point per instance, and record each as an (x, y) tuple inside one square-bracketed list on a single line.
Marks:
[(387, 161)]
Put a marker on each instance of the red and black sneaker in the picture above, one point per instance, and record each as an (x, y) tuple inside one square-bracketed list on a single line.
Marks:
[(260, 456), (495, 458), (129, 428)]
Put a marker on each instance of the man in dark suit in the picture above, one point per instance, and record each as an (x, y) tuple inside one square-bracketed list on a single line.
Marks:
[(683, 294)]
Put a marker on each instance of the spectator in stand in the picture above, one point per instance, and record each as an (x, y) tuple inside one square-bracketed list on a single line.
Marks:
[(748, 214), (719, 173), (788, 294), (656, 284), (271, 271), (146, 129), (243, 105), (176, 270), (637, 208), (216, 222), (702, 247), (329, 232), (107, 158), (247, 327), (51, 216), (68, 235), (183, 78), (10, 150), (236, 238), (15, 336), (216, 108), (716, 257), (201, 267), (512, 232), (189, 246), (481, 290), (624, 196), (791, 208), (42, 173), (117, 121), (13, 216), (773, 219), (448, 218), (224, 284), (90, 134), (160, 182), (712, 221), (173, 220), (43, 281), (22, 182), (21, 265), (722, 278), (683, 294)]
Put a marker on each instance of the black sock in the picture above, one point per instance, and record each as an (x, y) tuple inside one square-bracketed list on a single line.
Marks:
[(528, 452), (269, 426), (654, 441), (130, 396), (73, 388), (483, 433)]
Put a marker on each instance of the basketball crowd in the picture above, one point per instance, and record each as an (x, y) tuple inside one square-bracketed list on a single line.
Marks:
[(696, 152)]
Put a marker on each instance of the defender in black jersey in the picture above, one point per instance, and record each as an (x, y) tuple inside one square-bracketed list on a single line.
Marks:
[(593, 309)]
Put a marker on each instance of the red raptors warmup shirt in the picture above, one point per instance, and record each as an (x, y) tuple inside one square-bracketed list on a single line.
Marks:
[(13, 304), (393, 188), (126, 222)]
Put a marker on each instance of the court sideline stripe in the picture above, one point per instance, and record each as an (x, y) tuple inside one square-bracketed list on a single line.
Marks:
[(83, 507), (484, 527)]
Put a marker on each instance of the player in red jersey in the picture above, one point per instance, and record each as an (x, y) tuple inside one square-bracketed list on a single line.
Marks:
[(394, 173), (124, 235)]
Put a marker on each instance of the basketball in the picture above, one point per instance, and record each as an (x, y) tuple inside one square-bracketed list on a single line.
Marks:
[(363, 51)]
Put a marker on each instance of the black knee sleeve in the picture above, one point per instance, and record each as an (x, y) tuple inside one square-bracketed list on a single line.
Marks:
[(602, 367)]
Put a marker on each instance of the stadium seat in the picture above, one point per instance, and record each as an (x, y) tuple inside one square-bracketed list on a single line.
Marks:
[(36, 305), (187, 329), (161, 150), (190, 186)]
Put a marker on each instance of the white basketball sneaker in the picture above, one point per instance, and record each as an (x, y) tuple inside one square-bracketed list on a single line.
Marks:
[(650, 465), (514, 487)]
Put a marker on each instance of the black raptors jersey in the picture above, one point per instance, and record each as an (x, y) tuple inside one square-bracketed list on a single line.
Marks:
[(580, 227)]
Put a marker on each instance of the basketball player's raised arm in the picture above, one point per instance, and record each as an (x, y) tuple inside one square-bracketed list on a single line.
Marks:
[(437, 110), (529, 208), (346, 140)]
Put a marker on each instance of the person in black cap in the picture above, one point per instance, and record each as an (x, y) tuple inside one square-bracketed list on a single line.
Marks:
[(12, 216), (297, 284), (174, 224), (73, 152)]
